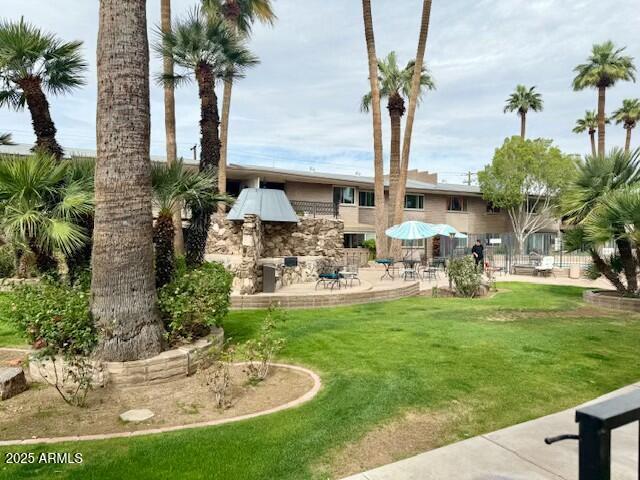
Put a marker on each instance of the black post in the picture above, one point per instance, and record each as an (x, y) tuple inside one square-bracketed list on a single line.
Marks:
[(595, 450)]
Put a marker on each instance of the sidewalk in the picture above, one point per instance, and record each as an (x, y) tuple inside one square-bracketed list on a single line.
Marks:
[(516, 453)]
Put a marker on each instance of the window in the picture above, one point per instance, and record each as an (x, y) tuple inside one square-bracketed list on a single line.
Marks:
[(491, 208), (414, 202), (532, 205), (418, 243), (272, 185), (457, 204), (353, 240), (344, 195), (366, 199)]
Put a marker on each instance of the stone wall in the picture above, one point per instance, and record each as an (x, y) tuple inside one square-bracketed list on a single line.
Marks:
[(225, 237), (308, 237)]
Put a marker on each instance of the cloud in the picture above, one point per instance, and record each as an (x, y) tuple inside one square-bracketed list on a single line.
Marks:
[(300, 107)]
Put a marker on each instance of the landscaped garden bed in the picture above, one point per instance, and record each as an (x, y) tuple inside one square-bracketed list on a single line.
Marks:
[(39, 413), (612, 299)]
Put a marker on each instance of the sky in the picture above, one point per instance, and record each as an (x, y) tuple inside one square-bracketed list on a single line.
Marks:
[(300, 107)]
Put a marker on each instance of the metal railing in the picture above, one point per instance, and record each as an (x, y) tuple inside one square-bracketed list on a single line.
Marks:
[(316, 209), (595, 425)]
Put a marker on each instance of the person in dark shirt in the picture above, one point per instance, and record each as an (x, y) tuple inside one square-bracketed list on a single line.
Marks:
[(478, 254)]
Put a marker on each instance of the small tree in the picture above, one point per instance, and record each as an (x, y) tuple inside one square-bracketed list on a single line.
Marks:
[(525, 178)]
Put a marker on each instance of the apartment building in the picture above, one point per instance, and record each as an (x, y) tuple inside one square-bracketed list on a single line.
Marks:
[(352, 199)]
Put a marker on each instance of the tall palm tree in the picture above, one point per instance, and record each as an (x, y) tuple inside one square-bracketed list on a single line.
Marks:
[(41, 207), (175, 185), (605, 66), (414, 98), (205, 48), (589, 123), (628, 115), (33, 63), (240, 15), (170, 122), (522, 100), (395, 85), (597, 177), (378, 160), (5, 139), (123, 293)]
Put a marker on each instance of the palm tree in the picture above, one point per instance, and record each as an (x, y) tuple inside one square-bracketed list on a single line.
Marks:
[(605, 66), (206, 49), (33, 62), (522, 100), (589, 123), (41, 207), (395, 85), (175, 185), (170, 121), (5, 139), (596, 178), (378, 161), (628, 115), (123, 293), (240, 16), (414, 98)]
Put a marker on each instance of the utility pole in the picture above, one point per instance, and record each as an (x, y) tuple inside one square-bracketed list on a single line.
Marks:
[(194, 149)]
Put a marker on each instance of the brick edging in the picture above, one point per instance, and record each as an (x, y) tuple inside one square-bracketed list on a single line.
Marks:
[(317, 384), (627, 304), (249, 302)]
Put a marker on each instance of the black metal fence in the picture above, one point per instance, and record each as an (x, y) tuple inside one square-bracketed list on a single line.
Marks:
[(316, 209)]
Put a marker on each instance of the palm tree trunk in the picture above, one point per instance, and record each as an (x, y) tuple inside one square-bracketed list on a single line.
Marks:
[(627, 143), (123, 294), (592, 136), (398, 203), (396, 110), (628, 264), (607, 271), (163, 236), (209, 161), (170, 121), (523, 125), (43, 126), (224, 135), (378, 161), (601, 119)]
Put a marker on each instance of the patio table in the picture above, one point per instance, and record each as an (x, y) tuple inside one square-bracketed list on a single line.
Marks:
[(388, 267)]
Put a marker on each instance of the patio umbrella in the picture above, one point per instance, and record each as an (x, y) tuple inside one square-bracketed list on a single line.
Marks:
[(447, 230), (411, 230)]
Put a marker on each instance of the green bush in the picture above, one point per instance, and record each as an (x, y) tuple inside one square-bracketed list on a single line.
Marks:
[(371, 246), (54, 317), (465, 277), (7, 261), (195, 301)]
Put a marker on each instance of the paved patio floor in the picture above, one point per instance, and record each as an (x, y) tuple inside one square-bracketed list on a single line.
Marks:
[(516, 453)]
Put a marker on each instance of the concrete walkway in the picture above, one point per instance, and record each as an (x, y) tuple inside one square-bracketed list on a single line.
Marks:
[(516, 453)]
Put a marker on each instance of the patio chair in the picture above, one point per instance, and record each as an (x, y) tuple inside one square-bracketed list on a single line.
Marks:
[(350, 274), (329, 277), (430, 270), (546, 266), (409, 269)]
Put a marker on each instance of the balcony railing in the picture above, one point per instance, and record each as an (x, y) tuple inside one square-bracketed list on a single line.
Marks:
[(315, 209)]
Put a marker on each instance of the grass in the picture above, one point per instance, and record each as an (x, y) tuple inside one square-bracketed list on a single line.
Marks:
[(519, 355), (9, 336)]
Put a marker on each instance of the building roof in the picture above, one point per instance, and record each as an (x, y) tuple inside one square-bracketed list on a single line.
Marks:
[(269, 205), (301, 175)]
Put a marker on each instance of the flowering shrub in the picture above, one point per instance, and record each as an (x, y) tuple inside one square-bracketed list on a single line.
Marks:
[(195, 301), (464, 275)]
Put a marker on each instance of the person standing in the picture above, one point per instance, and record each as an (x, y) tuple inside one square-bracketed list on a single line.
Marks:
[(478, 254)]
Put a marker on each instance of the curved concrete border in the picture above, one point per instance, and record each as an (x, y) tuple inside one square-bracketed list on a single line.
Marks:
[(599, 299), (317, 384), (309, 300)]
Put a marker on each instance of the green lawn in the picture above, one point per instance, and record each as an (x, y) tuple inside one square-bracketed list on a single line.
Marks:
[(519, 355)]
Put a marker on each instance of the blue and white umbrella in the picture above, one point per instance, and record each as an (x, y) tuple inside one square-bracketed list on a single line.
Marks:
[(411, 230), (447, 230)]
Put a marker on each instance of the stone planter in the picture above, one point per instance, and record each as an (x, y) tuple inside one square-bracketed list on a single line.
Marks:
[(611, 299), (166, 366)]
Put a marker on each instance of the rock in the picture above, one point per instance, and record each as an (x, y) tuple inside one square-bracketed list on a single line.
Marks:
[(136, 415), (12, 382)]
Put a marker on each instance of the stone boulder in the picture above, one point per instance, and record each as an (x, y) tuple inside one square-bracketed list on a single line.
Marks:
[(12, 382)]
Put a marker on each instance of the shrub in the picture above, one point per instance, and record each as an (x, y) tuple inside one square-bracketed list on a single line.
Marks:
[(465, 277), (7, 261), (196, 301), (55, 318), (260, 352), (215, 374), (371, 246)]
